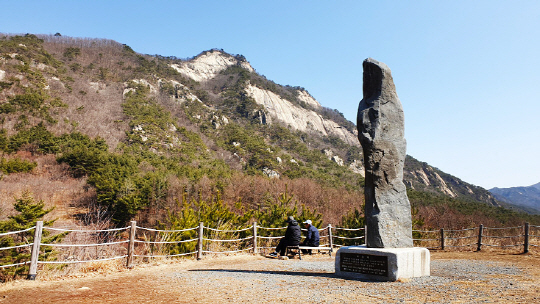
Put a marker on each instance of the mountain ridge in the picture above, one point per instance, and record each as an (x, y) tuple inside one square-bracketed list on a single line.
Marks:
[(525, 197), (192, 125)]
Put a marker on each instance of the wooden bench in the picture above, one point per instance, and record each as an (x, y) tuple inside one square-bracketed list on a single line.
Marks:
[(298, 248)]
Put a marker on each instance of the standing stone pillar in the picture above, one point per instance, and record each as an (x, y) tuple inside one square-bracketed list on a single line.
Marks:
[(389, 254), (381, 126)]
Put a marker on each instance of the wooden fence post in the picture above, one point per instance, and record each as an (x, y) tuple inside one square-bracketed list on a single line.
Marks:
[(200, 242), (131, 244), (442, 239), (330, 238), (480, 229), (255, 249), (526, 239), (35, 251)]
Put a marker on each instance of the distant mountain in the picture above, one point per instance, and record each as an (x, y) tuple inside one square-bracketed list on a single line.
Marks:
[(527, 197)]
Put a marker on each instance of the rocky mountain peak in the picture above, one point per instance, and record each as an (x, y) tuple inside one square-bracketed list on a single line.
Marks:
[(208, 64)]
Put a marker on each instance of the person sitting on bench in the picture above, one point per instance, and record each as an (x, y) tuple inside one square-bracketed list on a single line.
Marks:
[(292, 237), (312, 237)]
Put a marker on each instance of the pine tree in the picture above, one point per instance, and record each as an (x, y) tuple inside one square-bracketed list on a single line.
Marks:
[(29, 213)]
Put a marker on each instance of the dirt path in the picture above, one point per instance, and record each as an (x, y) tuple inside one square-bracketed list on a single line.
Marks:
[(456, 278)]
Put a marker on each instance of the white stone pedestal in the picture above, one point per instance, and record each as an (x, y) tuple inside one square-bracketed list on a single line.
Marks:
[(382, 264)]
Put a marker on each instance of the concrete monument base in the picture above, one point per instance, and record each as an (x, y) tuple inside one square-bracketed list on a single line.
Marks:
[(382, 264)]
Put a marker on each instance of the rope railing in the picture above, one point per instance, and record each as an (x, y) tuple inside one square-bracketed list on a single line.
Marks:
[(503, 237), (269, 237), (347, 235), (491, 245), (83, 245), (502, 228), (164, 242), (167, 231), (456, 246), (233, 240), (85, 261), (164, 255), (87, 231), (16, 264), (347, 229), (14, 247), (460, 238), (426, 231), (457, 230), (16, 232), (271, 228), (348, 238), (239, 230), (230, 251)]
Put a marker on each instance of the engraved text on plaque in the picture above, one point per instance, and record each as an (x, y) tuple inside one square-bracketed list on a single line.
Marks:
[(364, 263)]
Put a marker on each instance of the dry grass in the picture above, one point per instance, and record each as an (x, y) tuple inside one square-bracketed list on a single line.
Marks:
[(49, 182)]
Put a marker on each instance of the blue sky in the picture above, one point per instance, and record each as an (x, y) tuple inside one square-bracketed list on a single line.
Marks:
[(466, 72)]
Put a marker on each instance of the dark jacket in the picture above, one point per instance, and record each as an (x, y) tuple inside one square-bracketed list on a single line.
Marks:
[(293, 234), (312, 237)]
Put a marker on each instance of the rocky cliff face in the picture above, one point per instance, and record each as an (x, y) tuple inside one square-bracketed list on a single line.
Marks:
[(299, 118), (209, 64)]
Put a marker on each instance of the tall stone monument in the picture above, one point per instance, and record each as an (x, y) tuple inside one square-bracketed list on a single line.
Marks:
[(381, 131), (389, 253)]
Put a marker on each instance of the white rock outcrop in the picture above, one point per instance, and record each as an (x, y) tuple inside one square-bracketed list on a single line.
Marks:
[(2, 74), (308, 99), (38, 65), (208, 65), (97, 86), (338, 160), (299, 118), (182, 92), (356, 167), (127, 90), (443, 186), (270, 173), (145, 82), (328, 153), (423, 176)]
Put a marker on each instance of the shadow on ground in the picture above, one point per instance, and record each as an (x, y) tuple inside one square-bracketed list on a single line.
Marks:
[(288, 273)]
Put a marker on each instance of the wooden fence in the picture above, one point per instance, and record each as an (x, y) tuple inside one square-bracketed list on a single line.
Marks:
[(139, 242)]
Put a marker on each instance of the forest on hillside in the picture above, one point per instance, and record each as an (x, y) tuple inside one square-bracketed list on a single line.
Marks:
[(103, 133)]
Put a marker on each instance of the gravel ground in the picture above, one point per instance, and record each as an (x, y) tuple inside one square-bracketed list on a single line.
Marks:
[(455, 278), (314, 281)]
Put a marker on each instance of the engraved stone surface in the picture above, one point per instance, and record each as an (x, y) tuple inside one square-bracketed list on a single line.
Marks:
[(364, 263), (382, 264), (380, 123)]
